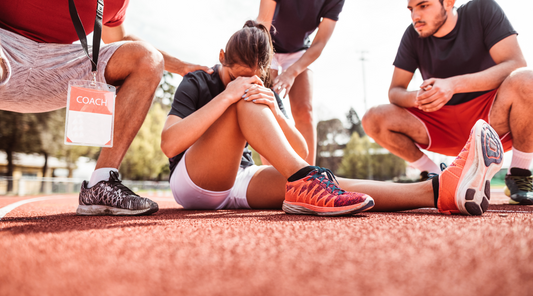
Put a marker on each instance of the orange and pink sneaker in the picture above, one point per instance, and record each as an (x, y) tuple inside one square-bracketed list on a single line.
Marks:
[(317, 194), (464, 187)]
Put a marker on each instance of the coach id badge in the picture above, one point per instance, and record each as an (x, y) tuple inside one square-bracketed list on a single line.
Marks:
[(90, 113)]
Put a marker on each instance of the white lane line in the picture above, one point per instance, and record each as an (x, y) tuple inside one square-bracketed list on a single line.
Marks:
[(5, 210), (492, 211), (504, 211)]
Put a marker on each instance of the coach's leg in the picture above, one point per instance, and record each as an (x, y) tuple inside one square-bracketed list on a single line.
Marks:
[(3, 66), (137, 68), (301, 97)]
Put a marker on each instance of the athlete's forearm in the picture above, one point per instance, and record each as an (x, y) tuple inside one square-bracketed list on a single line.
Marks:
[(488, 79), (402, 97), (183, 133)]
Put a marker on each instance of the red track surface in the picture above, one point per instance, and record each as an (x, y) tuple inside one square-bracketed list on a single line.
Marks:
[(45, 249)]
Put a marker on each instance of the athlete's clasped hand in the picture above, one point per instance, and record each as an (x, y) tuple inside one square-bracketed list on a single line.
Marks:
[(261, 95), (434, 93), (237, 88)]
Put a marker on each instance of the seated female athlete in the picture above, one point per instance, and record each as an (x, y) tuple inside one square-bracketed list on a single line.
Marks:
[(214, 116)]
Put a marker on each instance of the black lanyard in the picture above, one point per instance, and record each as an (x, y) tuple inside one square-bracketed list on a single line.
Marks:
[(97, 33)]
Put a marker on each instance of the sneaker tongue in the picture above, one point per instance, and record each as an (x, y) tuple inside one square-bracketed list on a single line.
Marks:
[(520, 172)]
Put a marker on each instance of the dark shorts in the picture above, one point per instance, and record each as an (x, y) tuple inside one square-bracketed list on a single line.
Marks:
[(449, 128)]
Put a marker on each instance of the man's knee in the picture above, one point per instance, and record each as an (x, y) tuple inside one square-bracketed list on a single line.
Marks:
[(143, 58), (521, 81), (150, 60), (374, 120)]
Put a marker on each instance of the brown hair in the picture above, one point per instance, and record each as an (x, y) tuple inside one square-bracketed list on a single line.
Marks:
[(251, 46)]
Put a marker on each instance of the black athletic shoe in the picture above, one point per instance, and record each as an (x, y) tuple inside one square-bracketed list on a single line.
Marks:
[(519, 187), (113, 198)]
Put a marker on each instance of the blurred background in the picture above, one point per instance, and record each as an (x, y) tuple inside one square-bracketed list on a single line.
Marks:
[(352, 75)]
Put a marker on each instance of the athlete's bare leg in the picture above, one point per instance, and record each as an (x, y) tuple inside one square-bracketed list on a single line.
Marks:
[(267, 190), (396, 130), (513, 108), (213, 160), (137, 68)]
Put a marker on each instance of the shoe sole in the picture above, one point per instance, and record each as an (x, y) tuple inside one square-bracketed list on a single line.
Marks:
[(307, 209), (473, 192), (95, 210)]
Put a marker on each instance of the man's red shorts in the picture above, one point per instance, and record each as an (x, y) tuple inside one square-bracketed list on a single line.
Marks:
[(449, 128)]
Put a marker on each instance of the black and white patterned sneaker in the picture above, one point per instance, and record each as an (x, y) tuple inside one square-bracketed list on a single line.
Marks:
[(113, 198)]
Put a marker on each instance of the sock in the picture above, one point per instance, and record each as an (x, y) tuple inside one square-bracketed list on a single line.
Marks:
[(101, 174), (301, 173), (426, 164), (435, 182), (520, 160)]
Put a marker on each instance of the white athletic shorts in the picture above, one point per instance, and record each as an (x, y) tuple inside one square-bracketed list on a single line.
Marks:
[(285, 60), (38, 73), (192, 197)]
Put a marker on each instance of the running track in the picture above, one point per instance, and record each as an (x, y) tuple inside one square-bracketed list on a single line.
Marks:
[(45, 249)]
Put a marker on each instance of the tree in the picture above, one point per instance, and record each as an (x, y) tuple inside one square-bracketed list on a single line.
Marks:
[(363, 158), (354, 123), (329, 134)]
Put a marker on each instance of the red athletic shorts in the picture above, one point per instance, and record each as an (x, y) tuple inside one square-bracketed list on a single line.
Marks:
[(449, 128)]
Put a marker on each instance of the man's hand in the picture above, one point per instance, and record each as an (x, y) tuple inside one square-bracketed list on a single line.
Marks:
[(284, 82), (172, 64), (434, 93), (182, 68)]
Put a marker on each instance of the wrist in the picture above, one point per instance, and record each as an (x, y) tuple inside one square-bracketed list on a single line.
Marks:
[(455, 84), (293, 71)]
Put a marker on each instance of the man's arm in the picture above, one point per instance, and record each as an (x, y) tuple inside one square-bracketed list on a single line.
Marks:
[(172, 64), (266, 12), (508, 57), (398, 94), (286, 79)]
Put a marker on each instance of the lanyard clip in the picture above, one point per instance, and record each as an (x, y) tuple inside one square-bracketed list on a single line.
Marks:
[(93, 82)]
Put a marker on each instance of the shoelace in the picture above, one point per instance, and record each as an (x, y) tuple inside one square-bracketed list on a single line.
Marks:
[(117, 183), (443, 167), (327, 179), (524, 183)]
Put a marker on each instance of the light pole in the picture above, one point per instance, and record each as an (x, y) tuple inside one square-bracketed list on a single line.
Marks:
[(363, 60)]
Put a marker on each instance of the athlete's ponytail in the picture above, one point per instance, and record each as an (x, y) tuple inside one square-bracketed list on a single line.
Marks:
[(251, 46)]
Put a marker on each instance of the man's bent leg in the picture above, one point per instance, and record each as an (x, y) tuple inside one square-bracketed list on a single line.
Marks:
[(137, 68), (511, 112), (395, 129), (301, 97), (4, 67)]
